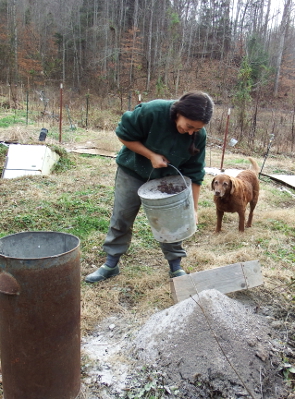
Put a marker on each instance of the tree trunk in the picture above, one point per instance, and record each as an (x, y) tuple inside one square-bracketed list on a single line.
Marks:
[(135, 29), (15, 39), (282, 37), (149, 50)]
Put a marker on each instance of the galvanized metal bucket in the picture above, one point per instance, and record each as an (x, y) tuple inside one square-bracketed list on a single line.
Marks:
[(169, 206), (40, 315)]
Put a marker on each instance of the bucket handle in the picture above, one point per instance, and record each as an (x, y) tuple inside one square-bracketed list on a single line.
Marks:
[(169, 164)]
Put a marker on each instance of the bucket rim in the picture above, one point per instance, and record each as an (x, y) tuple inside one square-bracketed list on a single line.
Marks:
[(40, 232), (141, 188)]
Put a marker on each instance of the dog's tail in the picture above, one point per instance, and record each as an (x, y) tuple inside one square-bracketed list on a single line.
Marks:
[(254, 166)]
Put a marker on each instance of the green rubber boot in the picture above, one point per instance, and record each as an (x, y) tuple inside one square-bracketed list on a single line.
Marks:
[(177, 273), (102, 273)]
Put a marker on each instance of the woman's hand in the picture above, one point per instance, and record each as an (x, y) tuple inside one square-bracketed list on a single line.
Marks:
[(158, 161)]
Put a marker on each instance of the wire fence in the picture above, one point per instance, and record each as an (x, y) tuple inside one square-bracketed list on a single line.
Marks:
[(43, 109)]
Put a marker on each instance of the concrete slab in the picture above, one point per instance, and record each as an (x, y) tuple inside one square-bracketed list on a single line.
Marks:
[(216, 171)]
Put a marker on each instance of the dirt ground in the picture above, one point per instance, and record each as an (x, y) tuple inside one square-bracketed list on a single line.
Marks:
[(208, 346)]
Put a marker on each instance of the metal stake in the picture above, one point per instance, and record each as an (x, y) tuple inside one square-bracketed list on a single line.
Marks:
[(60, 113), (224, 140), (266, 155)]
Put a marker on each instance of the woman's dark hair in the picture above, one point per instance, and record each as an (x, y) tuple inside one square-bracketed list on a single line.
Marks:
[(196, 106)]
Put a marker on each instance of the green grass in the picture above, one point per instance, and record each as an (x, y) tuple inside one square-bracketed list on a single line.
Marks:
[(284, 255), (205, 203), (240, 161), (19, 117), (62, 165), (3, 153), (79, 213), (142, 232), (67, 134), (284, 227), (282, 172), (3, 149)]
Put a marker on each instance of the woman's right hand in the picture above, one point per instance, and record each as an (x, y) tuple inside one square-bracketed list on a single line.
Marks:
[(158, 161)]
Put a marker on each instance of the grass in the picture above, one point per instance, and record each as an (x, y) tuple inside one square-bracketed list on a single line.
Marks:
[(77, 213), (18, 117), (77, 198), (3, 153)]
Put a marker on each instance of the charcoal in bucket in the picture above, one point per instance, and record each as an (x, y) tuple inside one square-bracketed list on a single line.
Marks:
[(169, 206)]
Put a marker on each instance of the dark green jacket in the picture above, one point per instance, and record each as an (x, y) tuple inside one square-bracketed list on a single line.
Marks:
[(150, 123)]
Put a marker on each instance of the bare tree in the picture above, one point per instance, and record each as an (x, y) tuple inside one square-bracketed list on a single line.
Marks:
[(149, 47), (282, 37)]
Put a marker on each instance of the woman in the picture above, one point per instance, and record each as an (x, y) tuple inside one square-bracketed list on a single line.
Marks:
[(155, 134)]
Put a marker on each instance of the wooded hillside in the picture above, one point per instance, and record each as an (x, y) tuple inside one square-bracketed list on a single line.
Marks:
[(150, 46)]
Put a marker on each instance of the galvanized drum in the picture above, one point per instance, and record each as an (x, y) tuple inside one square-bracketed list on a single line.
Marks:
[(40, 315)]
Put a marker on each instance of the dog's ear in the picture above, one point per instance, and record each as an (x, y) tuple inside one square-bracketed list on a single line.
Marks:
[(233, 185), (212, 184)]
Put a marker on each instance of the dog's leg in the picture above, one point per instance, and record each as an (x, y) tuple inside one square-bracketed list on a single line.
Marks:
[(219, 220), (242, 220), (252, 207)]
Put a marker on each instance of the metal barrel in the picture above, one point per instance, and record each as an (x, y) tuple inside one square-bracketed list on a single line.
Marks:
[(40, 315), (171, 216)]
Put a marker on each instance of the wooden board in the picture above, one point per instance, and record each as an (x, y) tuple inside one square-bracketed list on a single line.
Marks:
[(288, 180), (226, 279), (94, 151)]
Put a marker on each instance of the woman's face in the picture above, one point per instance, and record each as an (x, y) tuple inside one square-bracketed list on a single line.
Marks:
[(184, 125)]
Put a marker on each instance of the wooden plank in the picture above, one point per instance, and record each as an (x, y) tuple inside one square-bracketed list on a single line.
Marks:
[(94, 151), (288, 180), (226, 279)]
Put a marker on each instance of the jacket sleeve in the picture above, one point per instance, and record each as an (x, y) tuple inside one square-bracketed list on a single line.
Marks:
[(134, 125)]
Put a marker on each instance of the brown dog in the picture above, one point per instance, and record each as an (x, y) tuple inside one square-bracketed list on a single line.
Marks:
[(232, 194)]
